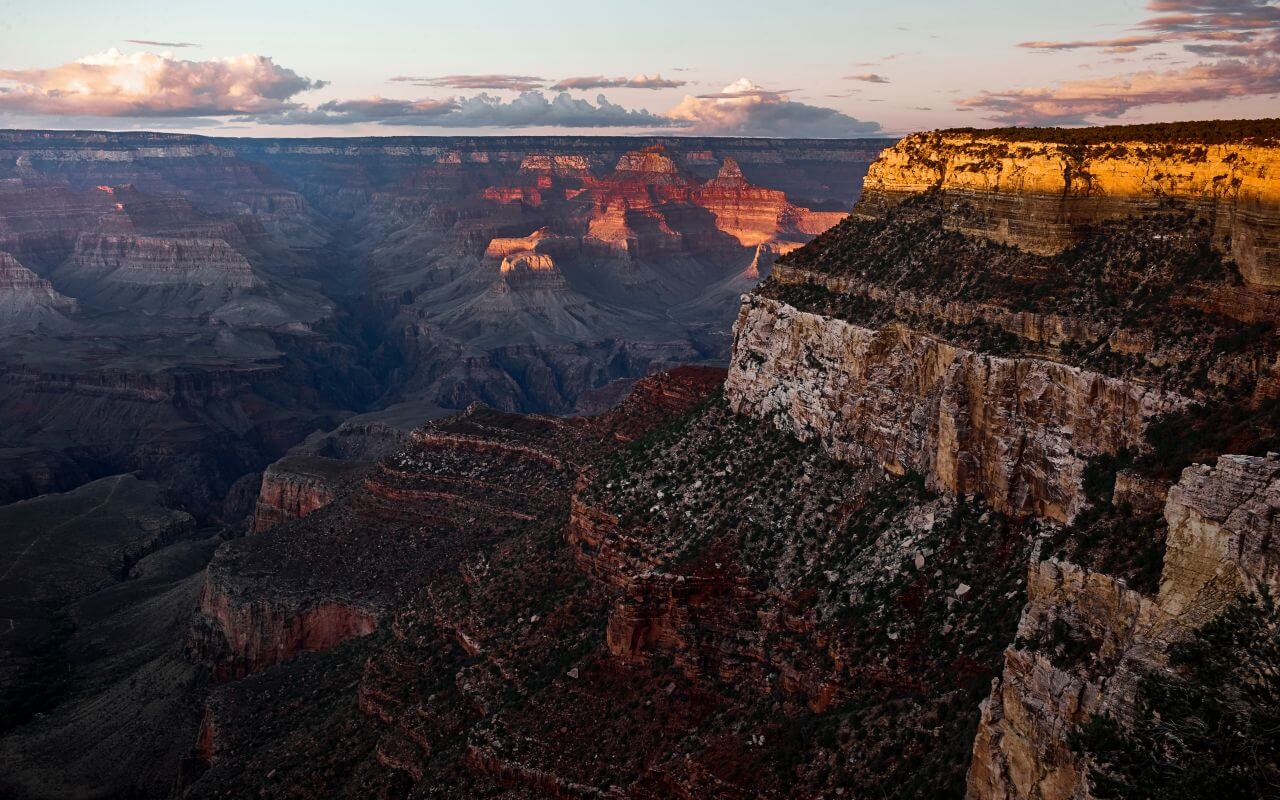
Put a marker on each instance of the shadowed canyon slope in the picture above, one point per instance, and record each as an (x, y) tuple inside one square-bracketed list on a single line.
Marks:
[(989, 455)]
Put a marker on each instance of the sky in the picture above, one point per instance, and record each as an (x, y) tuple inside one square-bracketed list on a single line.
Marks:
[(693, 67)]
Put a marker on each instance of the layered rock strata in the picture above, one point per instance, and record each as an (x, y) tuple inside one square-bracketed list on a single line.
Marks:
[(479, 474), (1041, 195), (1016, 430), (29, 302), (1085, 639), (295, 486)]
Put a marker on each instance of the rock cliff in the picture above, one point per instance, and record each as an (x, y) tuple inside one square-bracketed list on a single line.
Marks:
[(1040, 195), (1044, 322), (1016, 430), (295, 486), (1085, 639), (29, 302)]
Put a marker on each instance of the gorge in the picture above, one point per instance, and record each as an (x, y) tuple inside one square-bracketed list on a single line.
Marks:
[(509, 510)]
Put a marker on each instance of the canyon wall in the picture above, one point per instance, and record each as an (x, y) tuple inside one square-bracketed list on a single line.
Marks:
[(1016, 430), (1085, 639), (901, 338), (1039, 195)]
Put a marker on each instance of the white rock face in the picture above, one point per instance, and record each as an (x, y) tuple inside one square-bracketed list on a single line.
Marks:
[(1016, 430)]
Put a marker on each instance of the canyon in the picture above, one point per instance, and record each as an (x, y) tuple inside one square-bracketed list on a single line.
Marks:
[(990, 450), (191, 308)]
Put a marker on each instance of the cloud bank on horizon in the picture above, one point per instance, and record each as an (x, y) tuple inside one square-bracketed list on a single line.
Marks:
[(115, 84), (529, 109), (745, 109), (255, 88)]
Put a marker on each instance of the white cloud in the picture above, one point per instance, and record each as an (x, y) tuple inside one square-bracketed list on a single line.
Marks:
[(530, 109), (744, 109), (113, 84), (519, 83), (600, 82)]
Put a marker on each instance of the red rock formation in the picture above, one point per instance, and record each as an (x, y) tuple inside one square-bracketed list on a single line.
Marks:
[(295, 486), (648, 184), (255, 635), (529, 195)]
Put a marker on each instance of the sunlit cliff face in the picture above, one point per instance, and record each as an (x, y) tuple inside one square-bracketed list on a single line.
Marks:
[(527, 262)]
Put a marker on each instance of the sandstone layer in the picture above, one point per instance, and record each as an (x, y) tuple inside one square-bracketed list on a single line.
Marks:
[(1039, 195)]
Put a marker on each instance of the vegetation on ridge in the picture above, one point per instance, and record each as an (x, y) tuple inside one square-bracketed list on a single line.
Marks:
[(912, 597), (1134, 298)]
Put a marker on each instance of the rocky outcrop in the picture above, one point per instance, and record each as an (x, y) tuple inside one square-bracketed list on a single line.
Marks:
[(542, 240), (248, 637), (1085, 639), (1222, 535), (297, 485), (336, 573), (556, 164), (29, 302), (154, 261), (652, 160), (754, 215), (1016, 430), (1041, 195), (1049, 686)]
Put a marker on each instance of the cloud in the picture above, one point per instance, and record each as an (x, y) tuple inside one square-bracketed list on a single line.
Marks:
[(524, 83), (1121, 44), (745, 109), (867, 77), (1073, 102), (150, 43), (1200, 16), (1189, 21), (375, 109), (113, 84), (530, 109), (1239, 38), (600, 82), (519, 83), (747, 92)]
